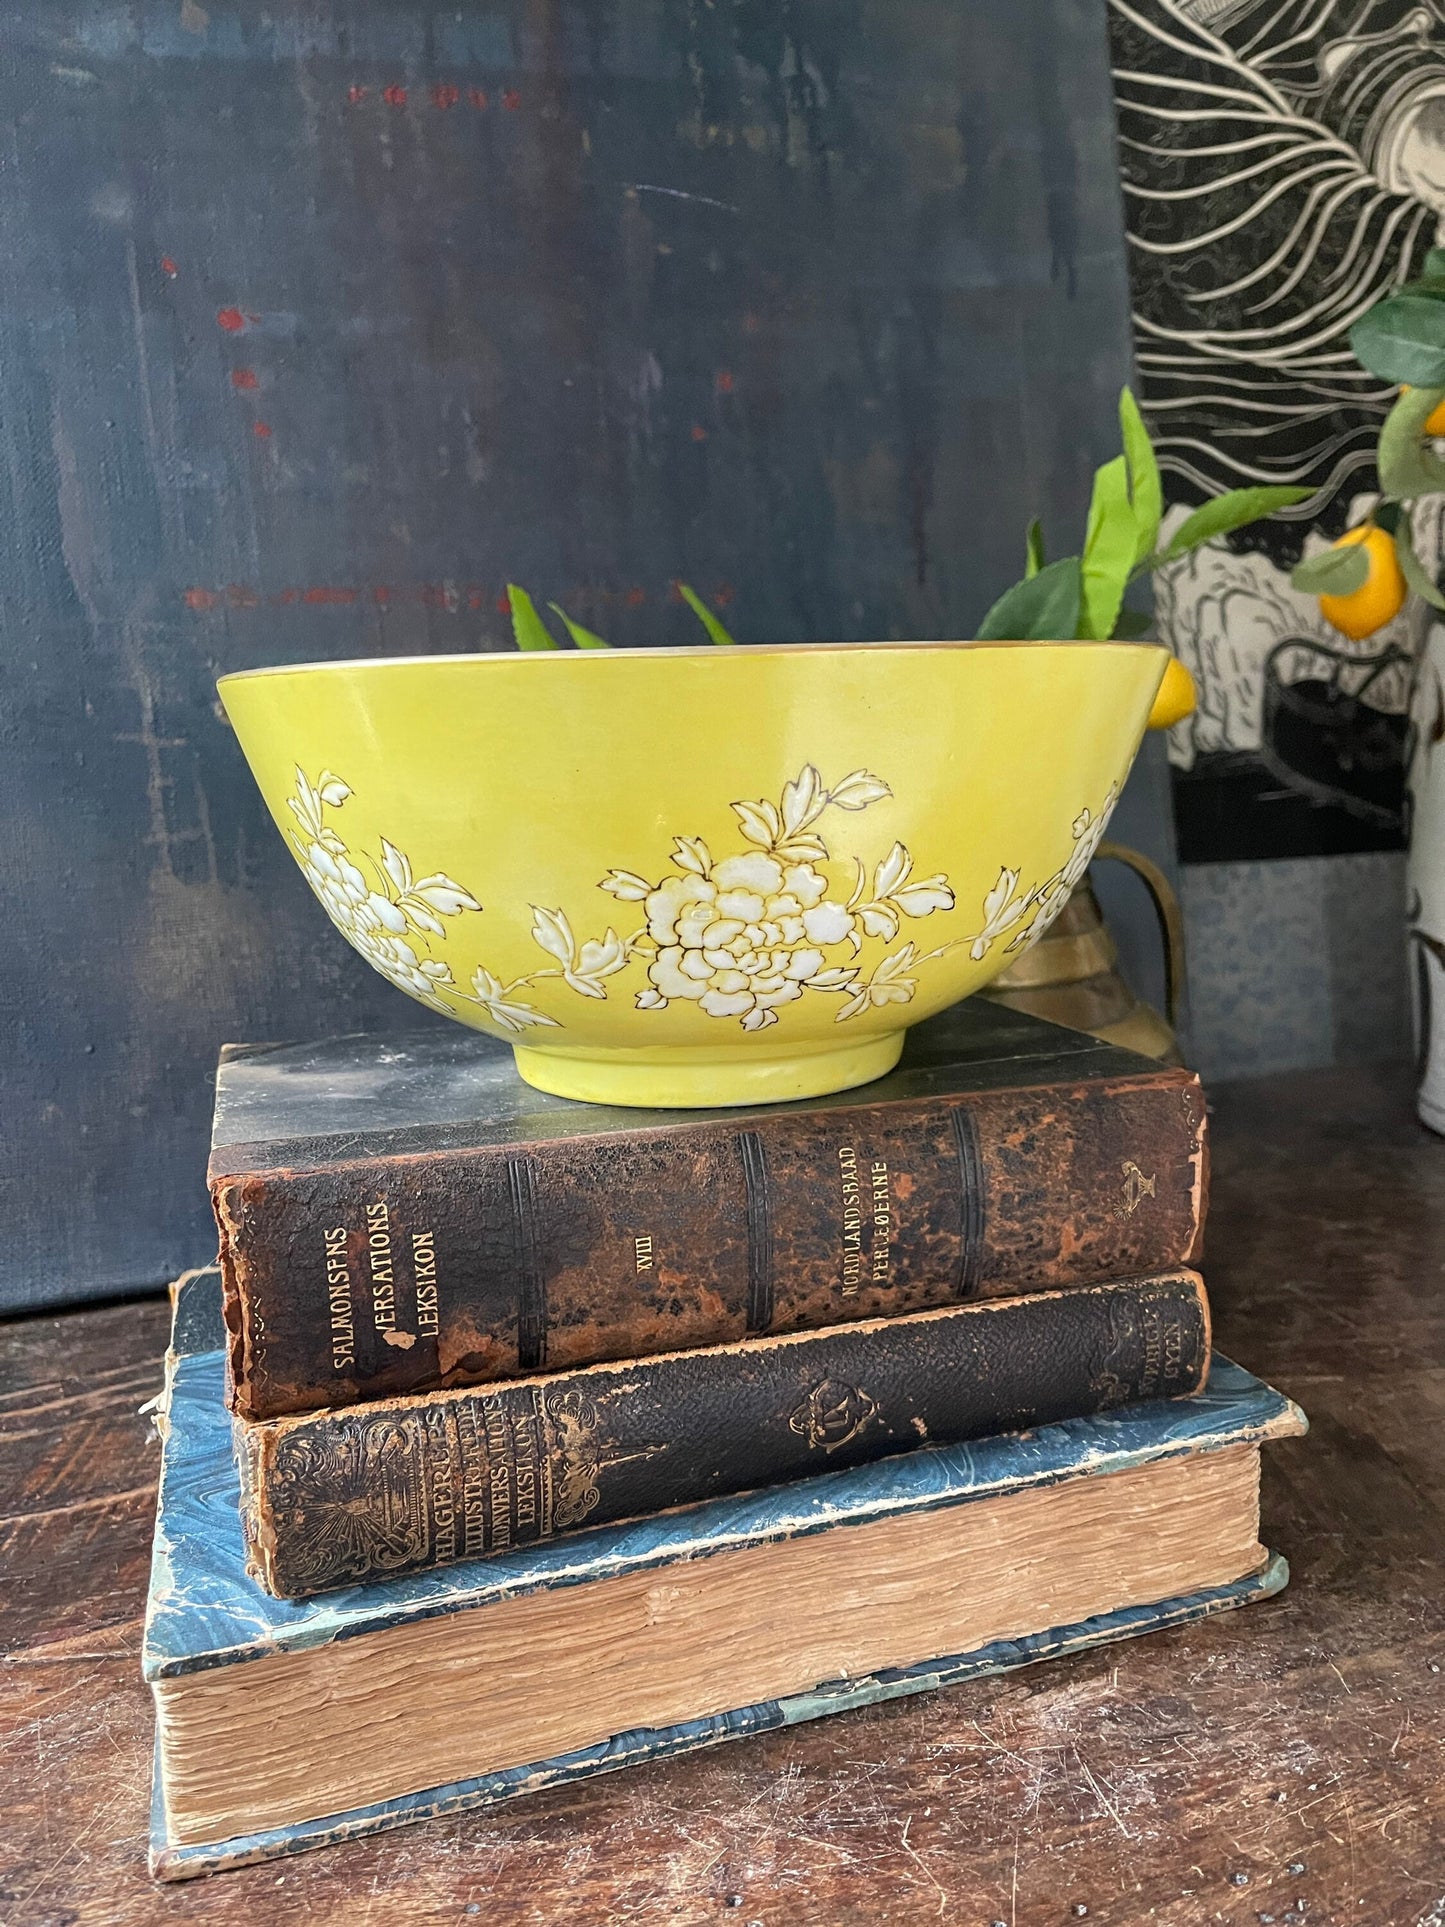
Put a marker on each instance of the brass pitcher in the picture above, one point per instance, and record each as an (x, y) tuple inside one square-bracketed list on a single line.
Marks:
[(1071, 975)]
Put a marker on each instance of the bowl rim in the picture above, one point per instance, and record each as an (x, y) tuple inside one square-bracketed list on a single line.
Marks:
[(703, 651)]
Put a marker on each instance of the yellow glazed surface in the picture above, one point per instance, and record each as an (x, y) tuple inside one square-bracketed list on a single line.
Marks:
[(698, 877)]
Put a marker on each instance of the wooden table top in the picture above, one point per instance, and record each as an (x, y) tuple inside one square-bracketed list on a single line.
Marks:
[(1280, 1764)]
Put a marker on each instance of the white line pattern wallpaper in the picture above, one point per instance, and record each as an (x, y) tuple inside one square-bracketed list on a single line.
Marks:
[(1283, 166)]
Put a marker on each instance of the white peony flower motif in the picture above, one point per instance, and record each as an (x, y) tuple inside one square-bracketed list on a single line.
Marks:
[(744, 939)]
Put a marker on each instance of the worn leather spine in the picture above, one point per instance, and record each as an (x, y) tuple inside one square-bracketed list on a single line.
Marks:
[(334, 1498), (356, 1278)]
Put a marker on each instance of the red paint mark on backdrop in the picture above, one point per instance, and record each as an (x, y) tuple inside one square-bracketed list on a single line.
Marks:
[(231, 319), (724, 594), (261, 430), (699, 433), (511, 100), (169, 267), (452, 597), (477, 97), (444, 95), (394, 96), (244, 378), (357, 94), (724, 381)]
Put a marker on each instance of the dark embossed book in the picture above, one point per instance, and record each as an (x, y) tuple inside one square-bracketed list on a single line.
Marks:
[(403, 1214), (332, 1498), (283, 1725)]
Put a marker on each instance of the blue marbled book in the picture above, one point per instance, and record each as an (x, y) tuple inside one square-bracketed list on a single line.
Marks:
[(853, 1587)]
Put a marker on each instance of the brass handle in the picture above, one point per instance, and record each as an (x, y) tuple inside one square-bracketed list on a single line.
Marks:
[(1166, 908)]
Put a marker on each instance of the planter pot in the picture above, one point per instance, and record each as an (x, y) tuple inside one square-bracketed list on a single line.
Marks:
[(698, 876)]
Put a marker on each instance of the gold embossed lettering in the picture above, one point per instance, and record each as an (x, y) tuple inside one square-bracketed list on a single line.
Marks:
[(338, 1300), (424, 1270), (852, 1220), (882, 1205)]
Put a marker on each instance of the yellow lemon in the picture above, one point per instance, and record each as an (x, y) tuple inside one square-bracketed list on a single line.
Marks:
[(1435, 425), (1381, 595), (1176, 698)]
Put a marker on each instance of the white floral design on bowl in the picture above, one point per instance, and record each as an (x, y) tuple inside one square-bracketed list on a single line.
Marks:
[(739, 936)]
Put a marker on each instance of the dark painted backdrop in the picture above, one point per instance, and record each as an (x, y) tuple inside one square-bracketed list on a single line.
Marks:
[(320, 322)]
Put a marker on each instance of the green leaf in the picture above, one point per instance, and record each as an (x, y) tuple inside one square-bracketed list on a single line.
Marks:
[(1146, 491), (704, 615), (1034, 557), (1041, 608), (1132, 625), (1408, 468), (1235, 509), (1403, 339), (584, 638), (527, 626), (1416, 575), (1108, 549), (1334, 571)]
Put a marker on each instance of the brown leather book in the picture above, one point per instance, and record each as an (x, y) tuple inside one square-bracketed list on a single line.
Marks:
[(334, 1498), (403, 1214)]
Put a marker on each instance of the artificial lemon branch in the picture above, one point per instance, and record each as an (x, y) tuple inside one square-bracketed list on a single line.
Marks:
[(1363, 579)]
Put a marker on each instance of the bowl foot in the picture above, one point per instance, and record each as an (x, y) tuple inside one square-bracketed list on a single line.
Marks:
[(679, 1079)]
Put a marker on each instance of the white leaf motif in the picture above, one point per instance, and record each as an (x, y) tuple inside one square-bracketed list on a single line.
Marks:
[(922, 898), (691, 853), (892, 871), (332, 790), (836, 979), (395, 865), (625, 884), (879, 920), (510, 1012), (421, 917), (858, 789), (802, 848), (444, 895), (305, 805), (802, 800), (601, 957), (760, 822), (552, 931), (999, 895)]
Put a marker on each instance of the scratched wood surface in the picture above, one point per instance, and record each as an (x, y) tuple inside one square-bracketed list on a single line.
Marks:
[(1284, 1764)]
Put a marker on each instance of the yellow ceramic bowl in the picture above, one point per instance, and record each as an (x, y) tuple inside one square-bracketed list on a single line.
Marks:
[(697, 876)]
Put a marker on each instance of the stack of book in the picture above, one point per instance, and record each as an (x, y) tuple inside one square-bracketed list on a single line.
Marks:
[(518, 1439)]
